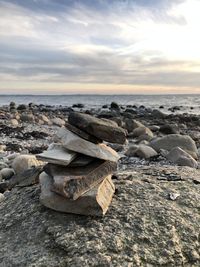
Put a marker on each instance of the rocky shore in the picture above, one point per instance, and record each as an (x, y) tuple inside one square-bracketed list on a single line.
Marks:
[(154, 217)]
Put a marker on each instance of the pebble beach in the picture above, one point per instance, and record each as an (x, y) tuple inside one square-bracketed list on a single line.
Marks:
[(153, 218)]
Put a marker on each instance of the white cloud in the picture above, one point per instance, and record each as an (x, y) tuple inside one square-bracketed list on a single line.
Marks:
[(115, 46)]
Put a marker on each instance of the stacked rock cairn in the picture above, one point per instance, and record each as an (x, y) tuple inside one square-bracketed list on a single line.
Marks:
[(77, 176)]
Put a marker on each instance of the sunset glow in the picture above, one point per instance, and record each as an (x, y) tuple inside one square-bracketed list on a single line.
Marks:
[(99, 46)]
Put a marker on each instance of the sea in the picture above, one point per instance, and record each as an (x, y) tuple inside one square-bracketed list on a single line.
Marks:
[(187, 103)]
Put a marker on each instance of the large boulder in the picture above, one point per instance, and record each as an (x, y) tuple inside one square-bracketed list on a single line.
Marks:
[(103, 129), (168, 142), (181, 157), (142, 227)]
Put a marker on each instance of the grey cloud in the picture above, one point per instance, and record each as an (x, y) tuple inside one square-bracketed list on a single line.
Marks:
[(37, 60), (104, 68)]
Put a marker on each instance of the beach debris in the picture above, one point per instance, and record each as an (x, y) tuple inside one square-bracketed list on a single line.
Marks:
[(173, 196), (77, 178)]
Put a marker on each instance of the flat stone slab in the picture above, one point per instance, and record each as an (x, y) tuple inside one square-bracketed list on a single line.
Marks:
[(75, 143), (57, 154), (81, 160), (95, 202), (83, 134), (102, 129), (73, 182)]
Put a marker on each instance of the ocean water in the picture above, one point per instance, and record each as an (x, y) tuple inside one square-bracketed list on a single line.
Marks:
[(188, 103)]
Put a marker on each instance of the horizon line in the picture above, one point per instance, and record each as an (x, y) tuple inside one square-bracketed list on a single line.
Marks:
[(99, 94)]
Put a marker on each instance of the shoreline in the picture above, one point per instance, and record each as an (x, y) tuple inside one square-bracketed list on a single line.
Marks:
[(28, 124)]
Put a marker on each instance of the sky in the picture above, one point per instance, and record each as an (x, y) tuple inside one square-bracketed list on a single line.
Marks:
[(99, 46)]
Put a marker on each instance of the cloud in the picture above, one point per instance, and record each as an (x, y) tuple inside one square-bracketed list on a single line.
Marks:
[(99, 42)]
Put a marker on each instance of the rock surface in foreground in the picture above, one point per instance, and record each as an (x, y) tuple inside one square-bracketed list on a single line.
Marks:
[(142, 228)]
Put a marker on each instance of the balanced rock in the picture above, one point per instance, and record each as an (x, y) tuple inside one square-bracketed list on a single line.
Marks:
[(181, 157), (102, 129), (81, 160), (73, 142), (73, 182), (57, 154), (24, 162), (94, 202), (83, 134), (168, 142)]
